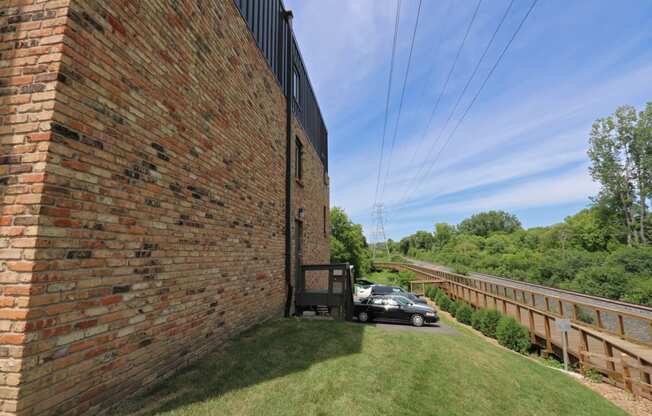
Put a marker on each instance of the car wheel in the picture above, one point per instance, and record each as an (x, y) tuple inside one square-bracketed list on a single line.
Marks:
[(417, 320), (363, 317)]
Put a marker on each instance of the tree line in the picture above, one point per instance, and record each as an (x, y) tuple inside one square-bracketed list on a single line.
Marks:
[(603, 249)]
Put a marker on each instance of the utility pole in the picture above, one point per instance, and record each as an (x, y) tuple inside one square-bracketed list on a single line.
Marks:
[(378, 236)]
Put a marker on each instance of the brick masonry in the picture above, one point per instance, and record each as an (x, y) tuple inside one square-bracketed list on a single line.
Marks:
[(142, 195)]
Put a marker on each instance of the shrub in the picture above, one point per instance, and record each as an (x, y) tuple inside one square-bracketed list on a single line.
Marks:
[(437, 291), (592, 375), (442, 301), (452, 307), (512, 334), (490, 322), (461, 269), (430, 292), (404, 278), (464, 313), (477, 318)]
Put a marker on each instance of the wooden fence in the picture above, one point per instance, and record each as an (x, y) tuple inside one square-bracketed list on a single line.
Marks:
[(627, 361)]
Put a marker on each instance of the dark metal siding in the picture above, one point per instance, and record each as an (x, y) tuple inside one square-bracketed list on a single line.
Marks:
[(264, 18)]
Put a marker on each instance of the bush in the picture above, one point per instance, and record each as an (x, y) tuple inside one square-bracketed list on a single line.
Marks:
[(442, 301), (512, 334), (452, 307), (464, 313), (477, 318), (404, 278), (461, 269), (430, 292), (490, 322)]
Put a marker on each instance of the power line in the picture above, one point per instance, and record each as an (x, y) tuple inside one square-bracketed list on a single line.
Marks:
[(475, 97), (400, 106), (389, 90), (448, 77), (461, 95), (427, 78)]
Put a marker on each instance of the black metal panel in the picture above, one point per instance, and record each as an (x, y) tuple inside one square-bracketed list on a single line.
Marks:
[(265, 20)]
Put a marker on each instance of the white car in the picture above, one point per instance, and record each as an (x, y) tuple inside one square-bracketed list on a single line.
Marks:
[(363, 288)]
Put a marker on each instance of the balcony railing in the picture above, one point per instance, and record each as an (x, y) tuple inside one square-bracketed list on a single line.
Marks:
[(269, 28)]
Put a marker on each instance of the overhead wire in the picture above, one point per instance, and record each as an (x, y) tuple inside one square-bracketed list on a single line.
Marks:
[(461, 95), (450, 73), (477, 94), (400, 105), (387, 99)]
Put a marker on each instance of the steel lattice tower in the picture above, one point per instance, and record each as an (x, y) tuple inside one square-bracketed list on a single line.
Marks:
[(378, 236)]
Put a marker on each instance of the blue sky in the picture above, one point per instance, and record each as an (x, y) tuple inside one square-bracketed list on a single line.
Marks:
[(521, 148)]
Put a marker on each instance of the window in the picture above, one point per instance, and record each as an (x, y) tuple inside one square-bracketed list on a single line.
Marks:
[(296, 83), (298, 156), (325, 227)]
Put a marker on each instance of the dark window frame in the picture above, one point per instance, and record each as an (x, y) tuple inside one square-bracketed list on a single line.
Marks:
[(298, 159), (296, 85)]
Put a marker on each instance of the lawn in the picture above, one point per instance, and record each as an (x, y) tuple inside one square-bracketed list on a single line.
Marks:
[(303, 367), (383, 277)]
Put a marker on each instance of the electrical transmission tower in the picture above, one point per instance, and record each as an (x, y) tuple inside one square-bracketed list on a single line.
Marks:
[(378, 236)]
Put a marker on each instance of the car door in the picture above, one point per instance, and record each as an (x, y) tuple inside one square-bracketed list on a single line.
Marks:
[(393, 310), (376, 307)]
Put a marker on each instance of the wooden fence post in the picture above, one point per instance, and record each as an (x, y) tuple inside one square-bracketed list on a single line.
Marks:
[(533, 336), (626, 374), (585, 360), (621, 326), (609, 352), (548, 335)]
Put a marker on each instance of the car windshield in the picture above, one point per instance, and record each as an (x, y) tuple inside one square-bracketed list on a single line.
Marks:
[(403, 301)]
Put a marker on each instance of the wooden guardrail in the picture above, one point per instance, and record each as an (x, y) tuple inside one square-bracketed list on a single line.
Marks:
[(626, 325), (590, 345)]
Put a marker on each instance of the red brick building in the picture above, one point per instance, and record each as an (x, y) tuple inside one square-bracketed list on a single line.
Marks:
[(143, 180)]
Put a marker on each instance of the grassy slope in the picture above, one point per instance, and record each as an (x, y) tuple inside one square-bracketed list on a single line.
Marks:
[(292, 367), (383, 277)]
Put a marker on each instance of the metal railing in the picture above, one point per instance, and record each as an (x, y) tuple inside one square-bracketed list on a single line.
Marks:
[(331, 285), (269, 29)]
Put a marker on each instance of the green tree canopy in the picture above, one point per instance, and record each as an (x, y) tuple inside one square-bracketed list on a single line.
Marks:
[(485, 223), (348, 244)]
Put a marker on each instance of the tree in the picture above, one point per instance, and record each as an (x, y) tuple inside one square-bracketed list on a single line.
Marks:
[(621, 153), (485, 223), (443, 234), (585, 231), (348, 244), (423, 240)]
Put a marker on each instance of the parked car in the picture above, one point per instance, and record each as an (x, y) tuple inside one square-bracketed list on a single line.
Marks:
[(364, 282), (363, 291), (394, 309), (396, 290)]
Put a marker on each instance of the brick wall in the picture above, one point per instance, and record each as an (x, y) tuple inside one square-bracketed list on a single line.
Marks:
[(142, 179), (30, 56)]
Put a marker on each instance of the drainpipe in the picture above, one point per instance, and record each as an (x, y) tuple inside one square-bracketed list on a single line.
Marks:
[(288, 166)]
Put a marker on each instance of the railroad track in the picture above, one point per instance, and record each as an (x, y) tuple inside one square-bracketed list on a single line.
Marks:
[(630, 308)]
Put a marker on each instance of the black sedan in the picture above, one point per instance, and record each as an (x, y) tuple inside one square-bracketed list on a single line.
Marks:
[(396, 290), (394, 309)]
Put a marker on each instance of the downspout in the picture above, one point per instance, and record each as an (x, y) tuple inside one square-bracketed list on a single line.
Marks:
[(288, 166)]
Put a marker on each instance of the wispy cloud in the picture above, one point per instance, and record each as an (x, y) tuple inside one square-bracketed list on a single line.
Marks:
[(523, 145)]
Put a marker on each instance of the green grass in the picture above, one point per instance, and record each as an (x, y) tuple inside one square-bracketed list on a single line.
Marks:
[(293, 367), (383, 277)]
